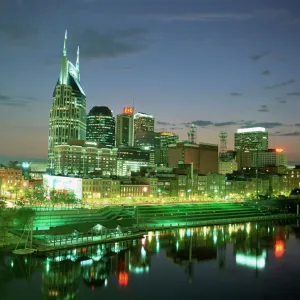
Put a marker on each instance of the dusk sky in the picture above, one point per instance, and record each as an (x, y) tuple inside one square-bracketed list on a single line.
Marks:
[(221, 64)]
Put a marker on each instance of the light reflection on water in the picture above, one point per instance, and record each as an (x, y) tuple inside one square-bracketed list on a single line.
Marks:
[(213, 262)]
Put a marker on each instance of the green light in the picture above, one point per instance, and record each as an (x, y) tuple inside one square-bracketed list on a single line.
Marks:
[(157, 246), (47, 266)]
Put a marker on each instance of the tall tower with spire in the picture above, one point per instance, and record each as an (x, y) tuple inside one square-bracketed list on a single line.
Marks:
[(68, 111)]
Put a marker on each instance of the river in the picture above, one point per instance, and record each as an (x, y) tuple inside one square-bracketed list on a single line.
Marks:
[(237, 261)]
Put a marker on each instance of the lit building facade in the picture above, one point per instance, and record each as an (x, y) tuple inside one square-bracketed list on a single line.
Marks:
[(275, 157), (100, 188), (143, 122), (227, 167), (134, 190), (146, 140), (81, 158), (211, 185), (12, 182), (131, 159), (125, 128), (164, 140), (101, 126), (249, 139), (261, 158), (68, 111)]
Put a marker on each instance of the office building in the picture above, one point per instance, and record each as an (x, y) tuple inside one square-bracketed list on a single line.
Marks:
[(131, 159), (203, 157), (146, 140), (68, 111), (143, 122), (101, 126), (125, 128), (275, 157), (164, 140), (249, 139), (83, 158)]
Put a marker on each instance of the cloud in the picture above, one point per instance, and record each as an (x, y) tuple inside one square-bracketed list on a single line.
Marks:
[(175, 128), (294, 94), (119, 68), (257, 57), (17, 33), (97, 46), (235, 94), (261, 124), (229, 123), (295, 133), (201, 123), (282, 101), (263, 108), (15, 101), (266, 72), (281, 84), (164, 123), (198, 17), (4, 98)]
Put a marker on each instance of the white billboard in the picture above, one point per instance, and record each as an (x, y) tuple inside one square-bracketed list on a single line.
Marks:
[(64, 183)]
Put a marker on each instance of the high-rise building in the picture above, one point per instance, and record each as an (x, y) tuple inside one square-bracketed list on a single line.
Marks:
[(101, 126), (164, 140), (125, 128), (249, 139), (144, 135), (143, 122), (68, 111), (146, 140)]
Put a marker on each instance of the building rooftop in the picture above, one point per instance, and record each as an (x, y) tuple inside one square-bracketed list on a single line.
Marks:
[(101, 111)]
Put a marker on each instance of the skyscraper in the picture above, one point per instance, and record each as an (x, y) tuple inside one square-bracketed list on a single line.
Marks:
[(249, 139), (165, 138), (68, 111), (101, 126), (125, 127), (143, 122)]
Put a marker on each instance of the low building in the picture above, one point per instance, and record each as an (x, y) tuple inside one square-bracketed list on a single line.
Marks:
[(210, 185), (228, 167), (152, 182), (12, 183), (100, 188), (134, 190)]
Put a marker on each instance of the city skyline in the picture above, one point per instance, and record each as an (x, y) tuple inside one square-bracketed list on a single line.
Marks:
[(219, 68)]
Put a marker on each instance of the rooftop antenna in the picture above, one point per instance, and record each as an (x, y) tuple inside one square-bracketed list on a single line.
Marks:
[(192, 134), (223, 145)]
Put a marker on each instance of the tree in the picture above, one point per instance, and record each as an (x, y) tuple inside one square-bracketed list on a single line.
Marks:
[(24, 216), (39, 193), (6, 219), (62, 197)]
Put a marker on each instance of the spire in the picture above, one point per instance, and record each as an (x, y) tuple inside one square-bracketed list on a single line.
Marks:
[(64, 64), (77, 64), (65, 43), (77, 59)]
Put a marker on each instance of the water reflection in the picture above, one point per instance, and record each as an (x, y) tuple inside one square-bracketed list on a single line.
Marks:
[(246, 246)]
